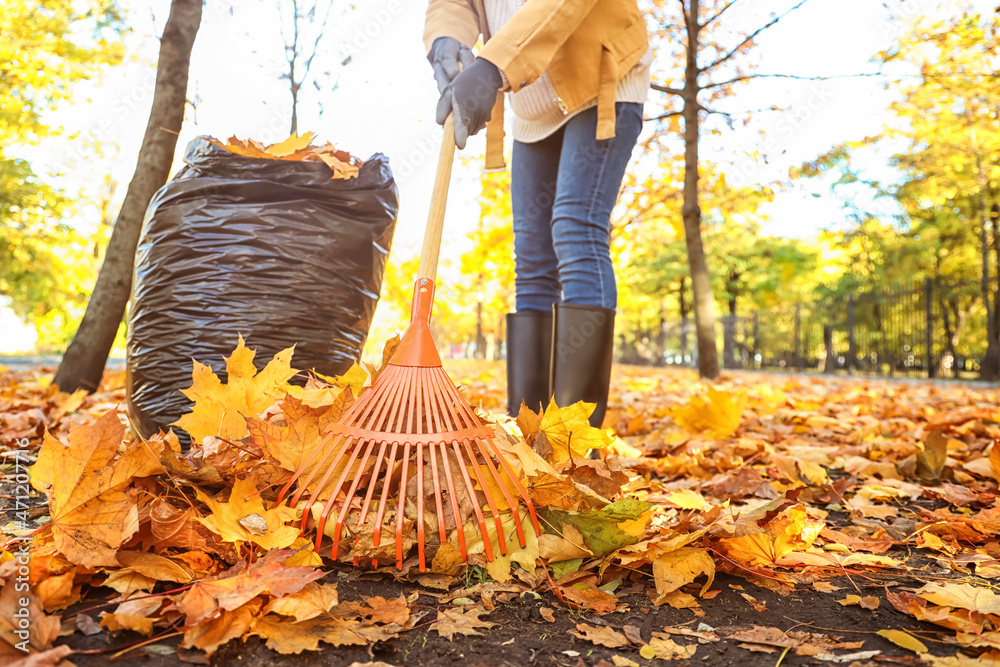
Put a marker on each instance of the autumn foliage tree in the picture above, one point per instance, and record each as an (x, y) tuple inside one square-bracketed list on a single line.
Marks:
[(937, 218), (43, 53), (707, 65), (950, 118)]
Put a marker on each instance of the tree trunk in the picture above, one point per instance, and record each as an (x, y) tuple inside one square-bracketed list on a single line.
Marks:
[(480, 336), (684, 320), (990, 369), (995, 218), (829, 354), (729, 356), (83, 362), (952, 336), (701, 283), (882, 346), (661, 335)]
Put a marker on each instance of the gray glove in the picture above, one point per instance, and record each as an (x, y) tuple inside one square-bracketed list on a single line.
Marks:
[(448, 56), (470, 97)]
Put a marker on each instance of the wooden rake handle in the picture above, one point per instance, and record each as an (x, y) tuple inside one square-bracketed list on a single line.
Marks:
[(439, 197)]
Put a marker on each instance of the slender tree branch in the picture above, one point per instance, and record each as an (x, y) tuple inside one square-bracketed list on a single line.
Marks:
[(721, 12), (749, 38), (667, 89), (684, 10), (319, 36), (721, 113), (669, 114), (747, 77)]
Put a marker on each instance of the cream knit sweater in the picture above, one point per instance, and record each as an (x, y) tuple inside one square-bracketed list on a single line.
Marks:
[(537, 112)]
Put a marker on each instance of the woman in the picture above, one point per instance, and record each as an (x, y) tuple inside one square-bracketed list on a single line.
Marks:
[(578, 71)]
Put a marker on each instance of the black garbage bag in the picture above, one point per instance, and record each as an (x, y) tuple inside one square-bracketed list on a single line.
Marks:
[(274, 250)]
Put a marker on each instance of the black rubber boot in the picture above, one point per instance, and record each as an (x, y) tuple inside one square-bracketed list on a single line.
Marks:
[(582, 348), (529, 350)]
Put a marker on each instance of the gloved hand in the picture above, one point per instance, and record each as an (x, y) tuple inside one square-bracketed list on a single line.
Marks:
[(470, 97), (446, 56)]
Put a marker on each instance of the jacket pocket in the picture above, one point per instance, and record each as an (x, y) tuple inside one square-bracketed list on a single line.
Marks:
[(629, 44)]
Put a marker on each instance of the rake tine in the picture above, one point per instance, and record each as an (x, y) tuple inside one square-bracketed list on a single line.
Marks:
[(303, 467), (475, 506), (517, 484), (372, 481), (420, 507), (346, 506), (325, 513), (442, 533), (401, 507), (511, 501), (463, 408), (374, 418), (304, 486), (477, 472), (478, 469), (454, 504), (398, 398), (385, 494)]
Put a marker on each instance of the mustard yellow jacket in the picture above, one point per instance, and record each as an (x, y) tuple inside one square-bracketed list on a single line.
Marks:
[(586, 46)]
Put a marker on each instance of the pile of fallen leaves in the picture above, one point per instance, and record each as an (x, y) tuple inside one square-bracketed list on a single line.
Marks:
[(786, 483), (298, 148)]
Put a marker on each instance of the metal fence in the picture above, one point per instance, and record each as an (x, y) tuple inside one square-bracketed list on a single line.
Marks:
[(926, 330)]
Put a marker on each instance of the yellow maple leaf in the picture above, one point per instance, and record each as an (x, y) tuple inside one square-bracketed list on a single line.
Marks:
[(304, 555), (312, 601), (293, 443), (688, 499), (569, 433), (961, 596), (117, 622), (293, 143), (719, 412), (677, 568), (790, 531), (221, 409), (86, 483), (231, 520), (356, 377)]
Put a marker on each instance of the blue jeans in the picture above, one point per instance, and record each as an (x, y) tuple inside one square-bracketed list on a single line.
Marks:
[(562, 191)]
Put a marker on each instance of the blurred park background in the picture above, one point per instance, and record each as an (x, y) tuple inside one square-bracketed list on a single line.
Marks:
[(847, 199)]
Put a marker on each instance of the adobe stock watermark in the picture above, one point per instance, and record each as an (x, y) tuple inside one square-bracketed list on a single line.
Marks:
[(20, 547), (784, 130), (370, 29), (583, 332)]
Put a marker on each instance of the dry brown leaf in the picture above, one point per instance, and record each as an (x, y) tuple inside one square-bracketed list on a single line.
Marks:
[(663, 648), (451, 622), (116, 621), (154, 567), (677, 568), (313, 600), (380, 610), (209, 597), (590, 597), (86, 482), (602, 636), (209, 636), (296, 147)]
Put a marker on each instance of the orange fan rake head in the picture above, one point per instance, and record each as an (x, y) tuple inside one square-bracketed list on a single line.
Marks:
[(412, 418)]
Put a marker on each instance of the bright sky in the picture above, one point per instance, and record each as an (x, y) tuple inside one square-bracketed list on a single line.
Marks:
[(384, 100)]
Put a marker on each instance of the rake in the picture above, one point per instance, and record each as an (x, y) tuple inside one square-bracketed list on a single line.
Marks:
[(412, 417)]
